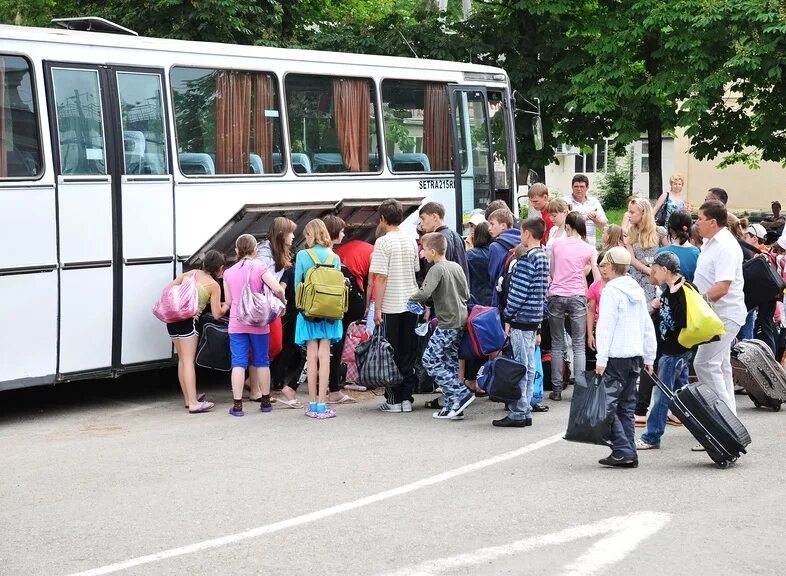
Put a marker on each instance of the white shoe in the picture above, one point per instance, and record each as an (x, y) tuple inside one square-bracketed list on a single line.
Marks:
[(406, 406), (392, 408), (698, 448)]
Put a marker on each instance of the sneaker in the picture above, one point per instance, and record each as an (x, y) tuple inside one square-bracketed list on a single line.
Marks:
[(457, 417), (642, 445), (233, 412), (266, 407), (539, 407), (615, 462), (328, 413), (508, 422), (392, 408), (464, 401), (641, 421), (444, 414), (698, 448), (406, 406), (555, 395)]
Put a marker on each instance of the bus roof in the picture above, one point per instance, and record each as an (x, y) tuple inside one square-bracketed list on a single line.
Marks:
[(100, 39)]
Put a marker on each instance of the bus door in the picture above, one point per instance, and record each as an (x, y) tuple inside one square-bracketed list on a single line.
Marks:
[(481, 136), (108, 135)]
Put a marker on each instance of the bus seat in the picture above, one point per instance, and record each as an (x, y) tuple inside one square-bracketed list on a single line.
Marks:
[(411, 162), (328, 162), (153, 163), (196, 163), (373, 162), (300, 163), (255, 161), (278, 163)]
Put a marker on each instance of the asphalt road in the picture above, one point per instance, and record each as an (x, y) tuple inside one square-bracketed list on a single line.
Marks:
[(114, 477)]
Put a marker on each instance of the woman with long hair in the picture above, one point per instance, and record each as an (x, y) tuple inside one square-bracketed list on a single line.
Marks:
[(246, 338), (679, 227), (478, 263), (567, 298), (184, 333), (642, 243)]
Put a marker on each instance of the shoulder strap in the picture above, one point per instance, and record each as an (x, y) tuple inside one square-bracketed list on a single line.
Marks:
[(313, 254), (330, 258)]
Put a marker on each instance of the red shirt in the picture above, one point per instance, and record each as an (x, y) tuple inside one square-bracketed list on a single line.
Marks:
[(356, 256), (549, 224)]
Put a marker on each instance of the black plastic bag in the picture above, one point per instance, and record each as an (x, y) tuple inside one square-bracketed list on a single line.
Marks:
[(592, 411)]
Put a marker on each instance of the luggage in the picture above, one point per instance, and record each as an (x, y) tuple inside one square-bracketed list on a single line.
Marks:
[(762, 281), (484, 333), (324, 293), (756, 370), (376, 362), (213, 347), (592, 412), (537, 387), (710, 421), (356, 335), (500, 377)]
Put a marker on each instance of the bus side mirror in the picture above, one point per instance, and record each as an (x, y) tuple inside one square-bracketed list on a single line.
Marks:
[(537, 133)]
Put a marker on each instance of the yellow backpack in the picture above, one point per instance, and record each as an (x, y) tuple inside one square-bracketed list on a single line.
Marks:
[(702, 325), (323, 293)]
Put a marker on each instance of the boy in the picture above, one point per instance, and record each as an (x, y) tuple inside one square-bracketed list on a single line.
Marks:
[(446, 284), (538, 195), (432, 219), (524, 313), (675, 358), (625, 339), (505, 237)]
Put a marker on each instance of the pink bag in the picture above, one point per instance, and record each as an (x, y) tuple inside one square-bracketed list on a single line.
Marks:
[(178, 302), (356, 333), (258, 308)]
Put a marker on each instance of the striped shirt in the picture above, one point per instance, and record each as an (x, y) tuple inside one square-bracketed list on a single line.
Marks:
[(527, 290), (396, 256)]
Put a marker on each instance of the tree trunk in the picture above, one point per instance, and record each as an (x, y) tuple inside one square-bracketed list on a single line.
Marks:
[(655, 142), (287, 20)]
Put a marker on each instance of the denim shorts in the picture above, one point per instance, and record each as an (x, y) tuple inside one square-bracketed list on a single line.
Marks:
[(239, 345)]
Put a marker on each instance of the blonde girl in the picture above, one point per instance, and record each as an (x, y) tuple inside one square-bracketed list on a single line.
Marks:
[(246, 337), (558, 210), (316, 335), (642, 243)]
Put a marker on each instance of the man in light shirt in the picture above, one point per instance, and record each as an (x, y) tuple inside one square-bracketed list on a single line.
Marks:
[(588, 206), (719, 278)]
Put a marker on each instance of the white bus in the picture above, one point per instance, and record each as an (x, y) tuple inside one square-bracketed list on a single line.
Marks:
[(123, 159)]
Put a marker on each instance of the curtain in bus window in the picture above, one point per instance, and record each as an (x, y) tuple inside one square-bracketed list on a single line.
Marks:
[(263, 126), (436, 127), (233, 122), (3, 147), (351, 105)]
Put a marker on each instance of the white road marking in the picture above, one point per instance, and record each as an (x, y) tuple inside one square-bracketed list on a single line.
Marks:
[(320, 514), (625, 533)]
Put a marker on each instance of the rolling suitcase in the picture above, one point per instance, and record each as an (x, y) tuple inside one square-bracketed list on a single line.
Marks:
[(756, 370), (710, 421)]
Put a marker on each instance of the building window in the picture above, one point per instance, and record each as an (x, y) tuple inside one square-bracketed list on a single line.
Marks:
[(595, 161), (20, 149), (645, 157)]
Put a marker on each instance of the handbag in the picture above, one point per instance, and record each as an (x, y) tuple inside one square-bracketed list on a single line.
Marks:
[(762, 282), (258, 308), (376, 363), (537, 387), (178, 302), (702, 325), (660, 217), (356, 335), (592, 411)]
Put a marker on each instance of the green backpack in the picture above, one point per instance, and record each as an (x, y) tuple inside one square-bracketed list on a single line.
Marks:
[(323, 293)]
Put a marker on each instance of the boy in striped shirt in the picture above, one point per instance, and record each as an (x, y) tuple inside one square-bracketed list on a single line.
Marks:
[(523, 314)]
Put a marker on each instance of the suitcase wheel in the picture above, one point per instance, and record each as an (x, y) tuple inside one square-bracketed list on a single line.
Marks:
[(723, 464), (776, 408)]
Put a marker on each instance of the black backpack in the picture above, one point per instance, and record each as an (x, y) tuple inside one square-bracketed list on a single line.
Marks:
[(504, 288)]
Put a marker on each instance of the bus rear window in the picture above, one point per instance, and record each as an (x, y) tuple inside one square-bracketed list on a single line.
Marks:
[(20, 146), (226, 121), (417, 126), (332, 124)]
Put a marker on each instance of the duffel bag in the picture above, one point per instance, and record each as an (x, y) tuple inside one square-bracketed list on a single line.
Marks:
[(762, 282), (499, 378)]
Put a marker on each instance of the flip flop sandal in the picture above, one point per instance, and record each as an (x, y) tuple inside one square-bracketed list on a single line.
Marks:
[(434, 404), (272, 400), (295, 404), (200, 398), (540, 408), (203, 407), (343, 400)]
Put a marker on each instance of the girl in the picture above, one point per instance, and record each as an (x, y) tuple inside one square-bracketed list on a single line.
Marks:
[(316, 335), (276, 254), (679, 236), (478, 262), (567, 297), (673, 200), (184, 333), (642, 243), (612, 236), (245, 337), (558, 210)]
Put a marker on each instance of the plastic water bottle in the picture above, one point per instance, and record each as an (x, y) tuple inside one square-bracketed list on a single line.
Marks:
[(415, 308)]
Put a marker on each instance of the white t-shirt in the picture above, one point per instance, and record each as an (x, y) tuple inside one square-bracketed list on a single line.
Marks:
[(590, 204), (721, 261), (396, 256)]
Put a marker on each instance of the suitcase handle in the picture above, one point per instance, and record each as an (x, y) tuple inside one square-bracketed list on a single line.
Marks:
[(663, 388)]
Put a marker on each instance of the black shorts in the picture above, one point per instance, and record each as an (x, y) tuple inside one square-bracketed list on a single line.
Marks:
[(183, 329)]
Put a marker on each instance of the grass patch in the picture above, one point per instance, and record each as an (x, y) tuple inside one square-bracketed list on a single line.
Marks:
[(615, 216)]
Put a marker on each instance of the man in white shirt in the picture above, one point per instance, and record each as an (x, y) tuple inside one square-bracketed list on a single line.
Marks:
[(587, 206), (719, 278)]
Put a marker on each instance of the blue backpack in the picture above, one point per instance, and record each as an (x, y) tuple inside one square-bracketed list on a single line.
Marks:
[(484, 333)]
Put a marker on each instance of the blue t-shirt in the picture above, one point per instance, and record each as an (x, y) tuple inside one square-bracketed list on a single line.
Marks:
[(688, 255)]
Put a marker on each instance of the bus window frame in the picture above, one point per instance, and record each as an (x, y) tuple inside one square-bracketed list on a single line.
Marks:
[(37, 112), (378, 113), (175, 140), (434, 173)]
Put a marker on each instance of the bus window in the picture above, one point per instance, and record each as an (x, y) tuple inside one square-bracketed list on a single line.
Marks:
[(80, 123), (472, 130), (226, 121), (499, 139), (333, 122), (417, 126), (142, 116), (20, 148)]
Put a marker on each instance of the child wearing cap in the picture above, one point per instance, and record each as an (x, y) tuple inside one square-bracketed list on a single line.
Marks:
[(625, 341), (675, 358)]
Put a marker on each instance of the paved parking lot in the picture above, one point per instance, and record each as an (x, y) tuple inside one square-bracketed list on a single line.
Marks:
[(114, 477)]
